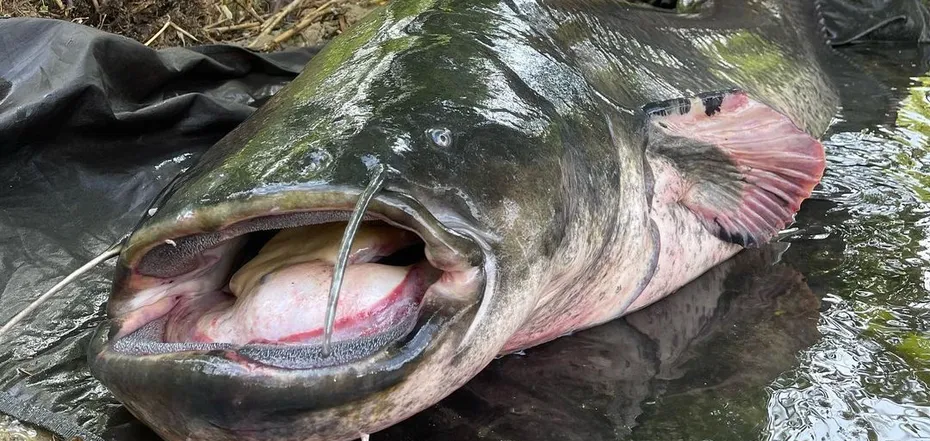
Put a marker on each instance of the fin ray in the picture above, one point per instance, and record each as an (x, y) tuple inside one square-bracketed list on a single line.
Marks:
[(746, 167)]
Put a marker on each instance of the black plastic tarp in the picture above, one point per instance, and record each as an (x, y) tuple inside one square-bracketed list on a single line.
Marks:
[(92, 127), (852, 21)]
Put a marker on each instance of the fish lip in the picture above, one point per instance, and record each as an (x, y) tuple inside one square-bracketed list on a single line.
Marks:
[(225, 376), (464, 249), (393, 207)]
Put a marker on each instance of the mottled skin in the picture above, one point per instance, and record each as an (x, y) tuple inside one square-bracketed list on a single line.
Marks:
[(547, 175)]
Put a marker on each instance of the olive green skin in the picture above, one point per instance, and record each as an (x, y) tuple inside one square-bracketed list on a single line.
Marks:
[(545, 170)]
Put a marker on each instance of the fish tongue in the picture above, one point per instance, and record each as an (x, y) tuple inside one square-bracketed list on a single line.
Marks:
[(289, 305)]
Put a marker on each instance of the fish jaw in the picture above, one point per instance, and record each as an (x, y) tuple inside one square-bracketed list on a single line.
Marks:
[(253, 389)]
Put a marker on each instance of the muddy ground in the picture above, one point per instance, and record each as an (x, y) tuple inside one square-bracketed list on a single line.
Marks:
[(260, 24)]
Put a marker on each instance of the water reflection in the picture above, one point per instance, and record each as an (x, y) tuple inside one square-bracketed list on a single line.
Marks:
[(735, 328), (867, 378)]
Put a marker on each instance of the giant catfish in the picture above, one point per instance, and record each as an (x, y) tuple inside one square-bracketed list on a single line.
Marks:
[(449, 181)]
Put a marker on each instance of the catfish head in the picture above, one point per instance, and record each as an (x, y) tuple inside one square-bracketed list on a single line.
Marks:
[(218, 312)]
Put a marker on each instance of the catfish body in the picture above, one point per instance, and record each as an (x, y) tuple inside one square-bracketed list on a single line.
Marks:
[(562, 162)]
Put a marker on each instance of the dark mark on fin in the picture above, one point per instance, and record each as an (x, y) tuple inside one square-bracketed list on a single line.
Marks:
[(744, 187), (739, 238), (712, 104)]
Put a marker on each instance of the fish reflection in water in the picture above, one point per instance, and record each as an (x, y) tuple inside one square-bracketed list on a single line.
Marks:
[(738, 326)]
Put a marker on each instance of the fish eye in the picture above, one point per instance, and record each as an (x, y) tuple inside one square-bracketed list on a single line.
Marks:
[(442, 137)]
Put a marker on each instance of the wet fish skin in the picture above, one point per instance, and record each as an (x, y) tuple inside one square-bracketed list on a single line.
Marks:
[(546, 172)]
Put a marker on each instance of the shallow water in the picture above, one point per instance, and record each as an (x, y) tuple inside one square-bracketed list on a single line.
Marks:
[(828, 339), (864, 242)]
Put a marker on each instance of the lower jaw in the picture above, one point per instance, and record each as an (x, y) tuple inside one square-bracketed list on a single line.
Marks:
[(218, 395), (191, 378), (148, 340)]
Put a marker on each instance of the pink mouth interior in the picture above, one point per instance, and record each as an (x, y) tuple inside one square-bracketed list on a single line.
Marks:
[(280, 295)]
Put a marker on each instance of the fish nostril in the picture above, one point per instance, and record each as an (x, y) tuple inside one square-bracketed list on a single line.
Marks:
[(679, 6), (442, 137)]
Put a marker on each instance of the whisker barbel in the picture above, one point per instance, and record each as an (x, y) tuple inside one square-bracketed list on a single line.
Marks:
[(108, 254), (345, 246)]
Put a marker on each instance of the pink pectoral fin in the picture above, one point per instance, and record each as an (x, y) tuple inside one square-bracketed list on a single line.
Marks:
[(746, 167)]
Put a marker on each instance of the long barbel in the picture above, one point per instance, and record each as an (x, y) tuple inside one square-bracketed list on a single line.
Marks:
[(345, 246), (110, 253)]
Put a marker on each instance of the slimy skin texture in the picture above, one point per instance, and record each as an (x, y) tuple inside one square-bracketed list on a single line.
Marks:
[(524, 144)]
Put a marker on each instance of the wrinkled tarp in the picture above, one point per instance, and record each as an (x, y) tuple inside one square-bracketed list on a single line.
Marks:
[(852, 21), (92, 126)]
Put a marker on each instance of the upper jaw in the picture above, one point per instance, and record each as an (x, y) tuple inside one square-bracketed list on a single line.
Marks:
[(181, 237)]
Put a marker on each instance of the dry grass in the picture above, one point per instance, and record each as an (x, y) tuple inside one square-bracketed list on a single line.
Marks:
[(259, 24)]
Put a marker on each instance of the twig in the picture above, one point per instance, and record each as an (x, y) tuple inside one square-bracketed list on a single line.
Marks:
[(275, 19), (307, 21), (60, 5), (160, 31), (213, 25), (181, 30), (249, 10), (225, 11), (254, 12), (238, 27)]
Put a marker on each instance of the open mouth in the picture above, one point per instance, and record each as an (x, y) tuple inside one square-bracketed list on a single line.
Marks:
[(262, 291)]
